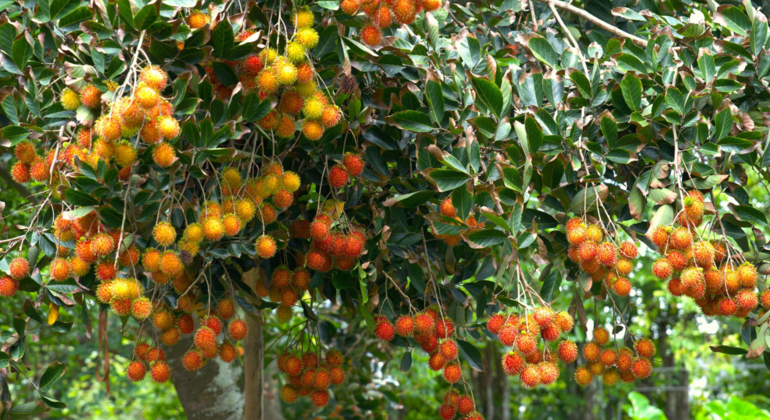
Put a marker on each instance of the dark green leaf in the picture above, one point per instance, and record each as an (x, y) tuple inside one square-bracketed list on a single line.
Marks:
[(543, 51), (435, 98), (413, 121), (448, 179), (488, 95), (471, 354), (52, 374), (488, 237), (631, 87)]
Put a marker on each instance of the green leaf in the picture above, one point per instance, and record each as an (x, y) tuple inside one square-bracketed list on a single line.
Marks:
[(542, 50), (52, 374), (758, 36), (728, 350), (488, 237), (74, 18), (733, 19), (462, 200), (582, 83), (448, 179), (453, 163), (5, 359), (60, 8), (471, 354), (79, 198), (587, 198), (146, 16), (223, 39), (225, 73), (723, 124), (435, 98), (15, 134), (413, 121), (707, 67), (610, 130), (631, 87), (125, 13), (512, 179), (750, 214), (628, 62), (25, 410), (22, 52), (488, 95), (550, 285), (675, 100), (406, 361), (410, 200)]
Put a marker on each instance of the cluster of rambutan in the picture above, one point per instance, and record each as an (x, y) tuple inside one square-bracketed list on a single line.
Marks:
[(289, 78), (173, 323), (286, 288), (601, 258), (720, 284), (306, 375), (533, 364), (447, 209), (612, 365), (383, 13), (143, 113), (459, 404)]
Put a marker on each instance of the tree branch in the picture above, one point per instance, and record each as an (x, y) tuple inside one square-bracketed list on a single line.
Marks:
[(596, 21)]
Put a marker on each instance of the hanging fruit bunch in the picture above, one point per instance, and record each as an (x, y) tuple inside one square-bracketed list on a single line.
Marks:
[(309, 375), (448, 226), (383, 14), (599, 256), (703, 267)]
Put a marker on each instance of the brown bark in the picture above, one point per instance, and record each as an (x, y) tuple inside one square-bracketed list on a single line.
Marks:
[(261, 394), (212, 393)]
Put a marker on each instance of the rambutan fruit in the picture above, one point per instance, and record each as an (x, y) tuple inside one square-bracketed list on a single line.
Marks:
[(320, 398), (40, 171), (703, 254), (160, 372), (205, 338), (681, 238), (59, 269), (642, 368), (405, 326), (20, 172), (764, 299), (448, 349), (8, 286), (91, 97), (592, 351), (331, 116), (747, 274), (192, 360), (121, 307), (622, 287), (334, 358), (164, 234), (727, 306), (170, 337), (662, 269), (577, 235), (526, 343), (269, 121), (313, 130), (136, 371), (146, 96), (508, 335), (465, 405), (583, 376), (213, 322), (587, 251), (530, 377), (692, 276), (197, 20), (293, 366), (629, 250), (213, 228), (168, 127), (423, 323), (495, 323), (549, 372), (69, 99), (227, 352), (385, 331), (316, 260), (445, 328), (452, 373), (431, 5), (567, 351), (170, 264), (308, 37), (154, 77), (141, 308), (606, 254), (164, 155), (747, 300), (350, 7), (550, 332), (225, 309), (371, 35), (102, 245), (267, 81), (601, 336), (446, 411), (660, 236), (25, 152), (185, 323), (154, 354)]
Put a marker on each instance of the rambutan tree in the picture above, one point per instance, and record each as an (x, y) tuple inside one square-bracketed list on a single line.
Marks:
[(332, 184)]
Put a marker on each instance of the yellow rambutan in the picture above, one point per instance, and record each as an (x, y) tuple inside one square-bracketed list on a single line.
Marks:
[(164, 155), (69, 99), (313, 130)]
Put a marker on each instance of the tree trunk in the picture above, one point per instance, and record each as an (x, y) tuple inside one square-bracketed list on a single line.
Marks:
[(212, 393), (261, 394)]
